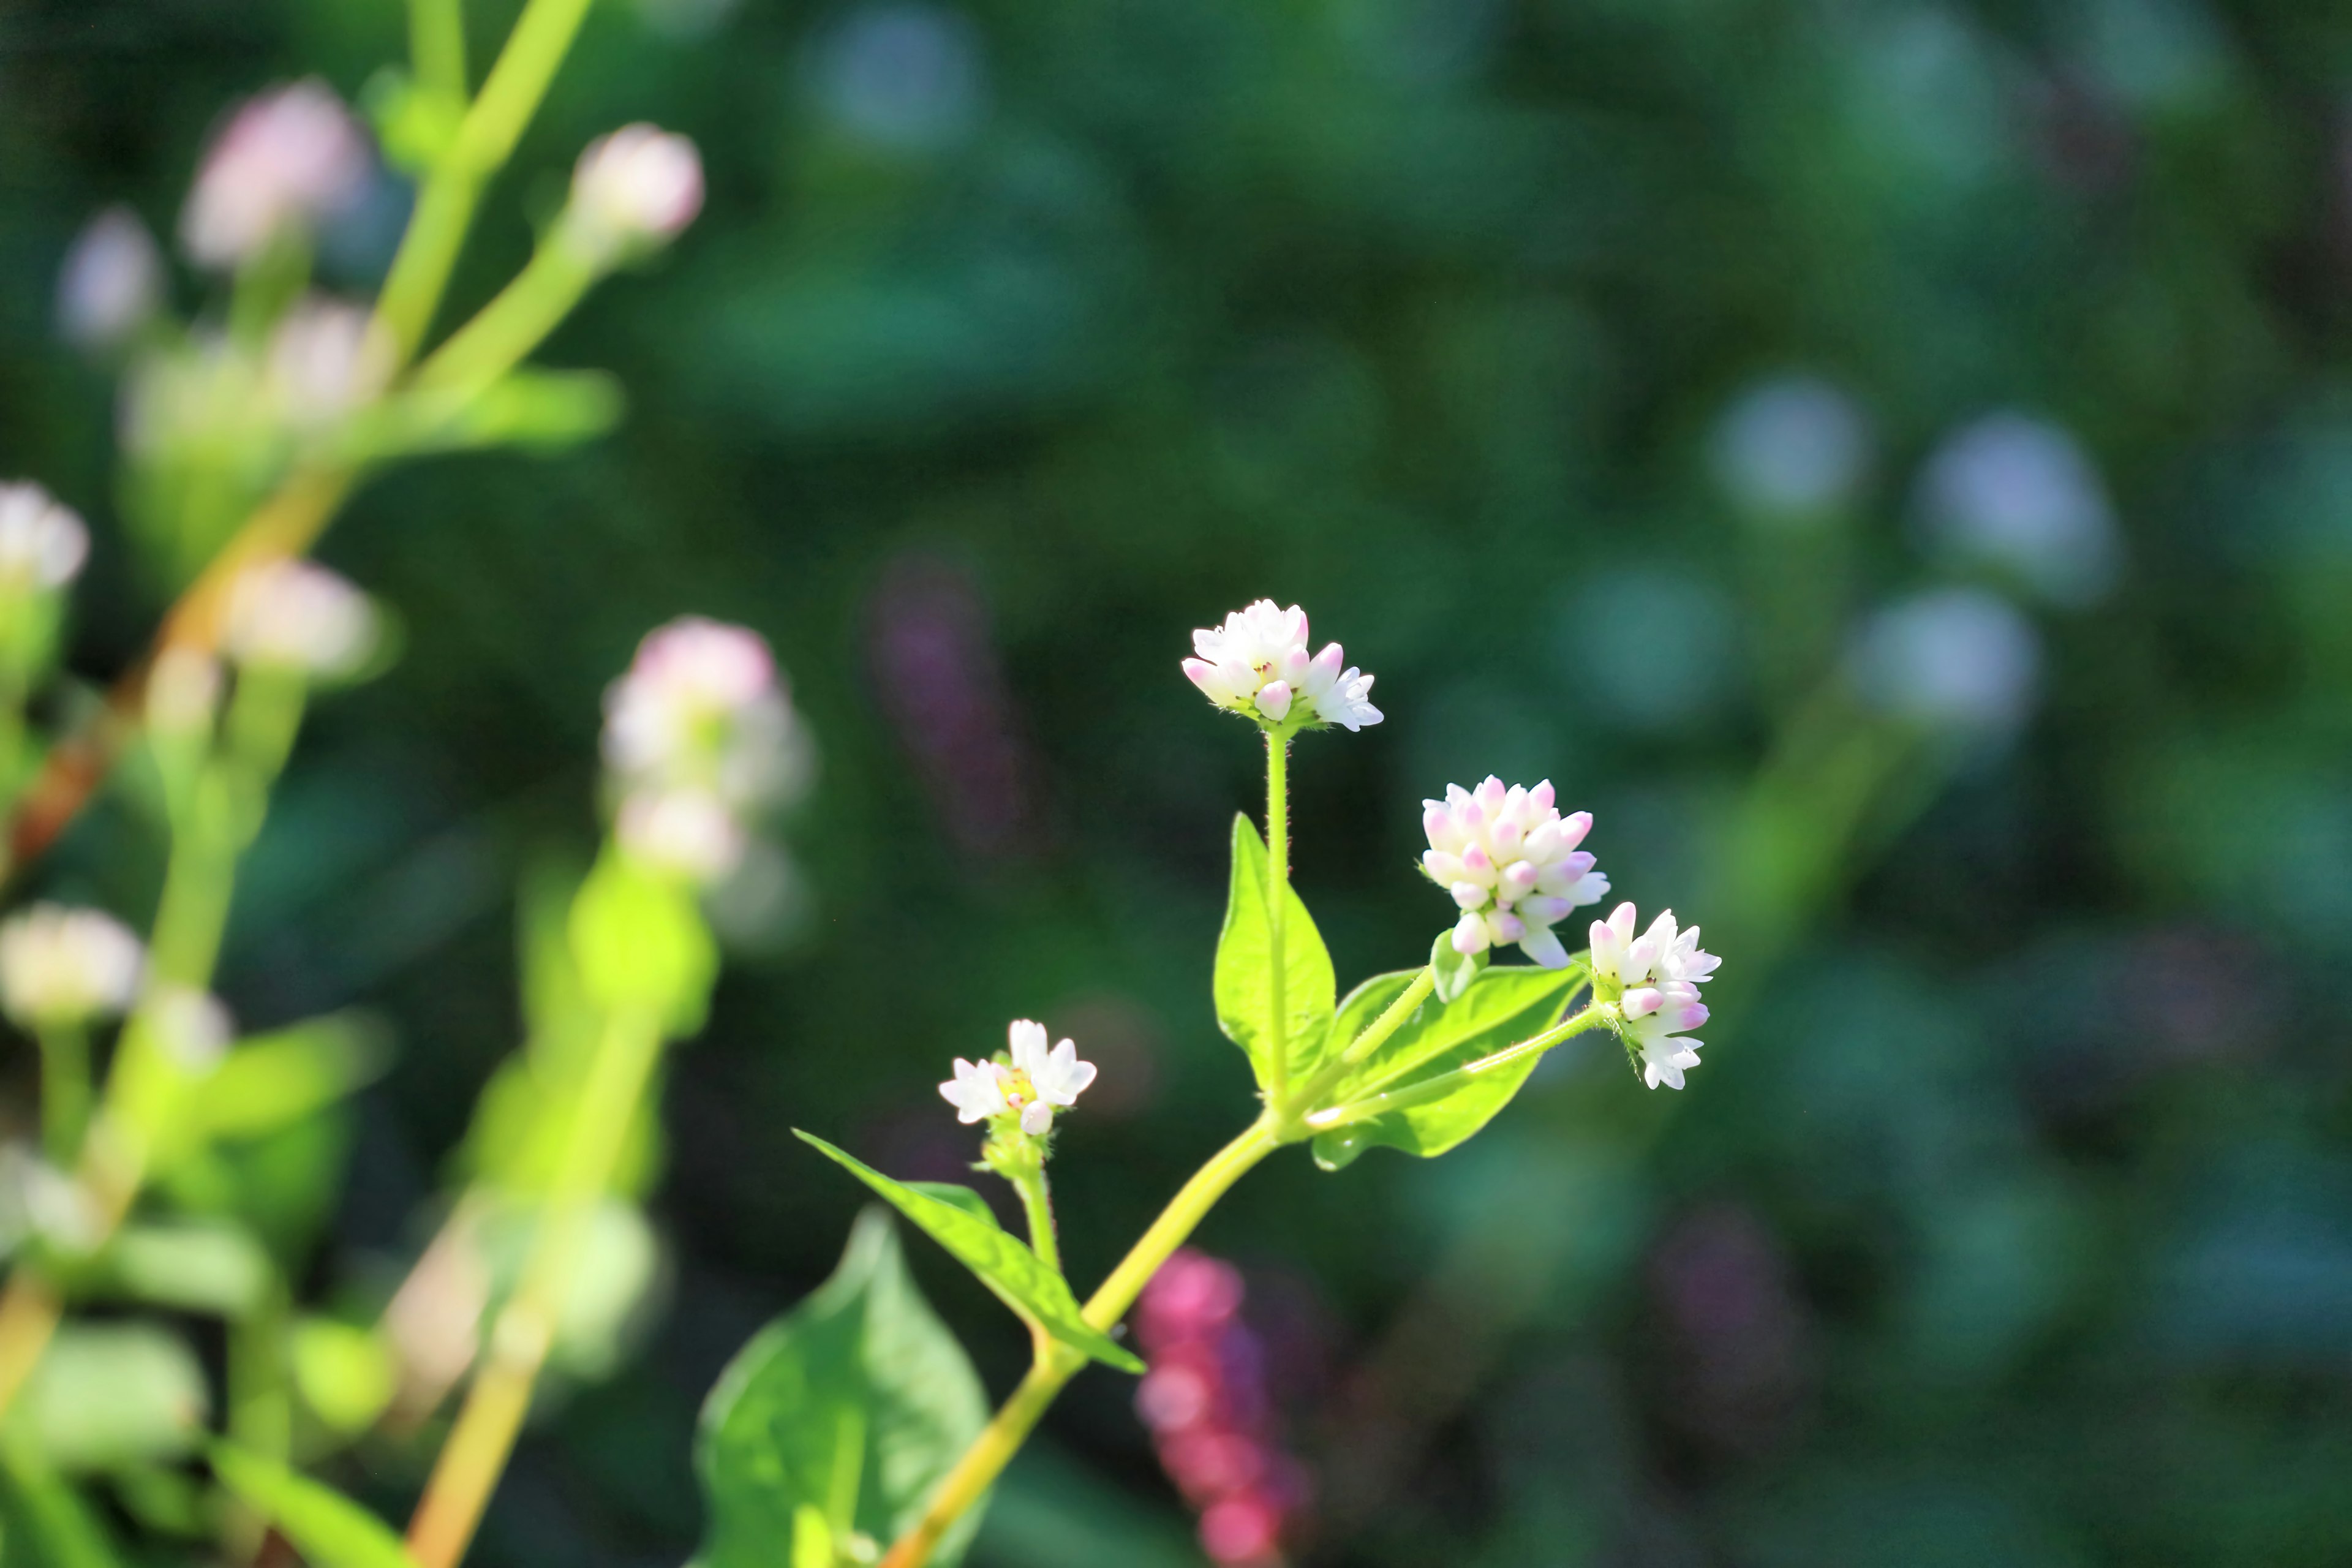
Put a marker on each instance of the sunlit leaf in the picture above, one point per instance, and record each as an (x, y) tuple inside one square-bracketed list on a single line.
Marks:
[(838, 1420), (1004, 1262), (107, 1394), (1244, 967)]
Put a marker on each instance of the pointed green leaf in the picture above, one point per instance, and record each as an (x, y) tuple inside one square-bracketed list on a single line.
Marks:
[(838, 1420), (1004, 1262), (1244, 967), (1500, 1008), (324, 1525)]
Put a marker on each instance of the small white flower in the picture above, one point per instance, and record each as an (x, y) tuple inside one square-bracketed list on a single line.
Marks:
[(1653, 979), (289, 156), (977, 1091), (63, 967), (690, 833), (703, 703), (1043, 1081), (111, 282), (293, 614), (632, 190), (1512, 864), (1258, 663), (42, 542), (326, 358)]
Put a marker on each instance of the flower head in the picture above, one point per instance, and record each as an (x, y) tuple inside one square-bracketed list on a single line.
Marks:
[(1512, 864), (699, 735), (287, 157), (42, 542), (1257, 664), (63, 967), (1034, 1085), (111, 282), (293, 614), (1653, 981), (631, 191)]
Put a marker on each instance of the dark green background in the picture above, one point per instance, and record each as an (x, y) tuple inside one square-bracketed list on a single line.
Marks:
[(2010, 1219)]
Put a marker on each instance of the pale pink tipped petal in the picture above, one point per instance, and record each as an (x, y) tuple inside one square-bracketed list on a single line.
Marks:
[(1037, 1115), (1468, 895), (1573, 828), (1290, 667), (1542, 909), (1543, 946), (1504, 926), (1478, 865), (1443, 869), (1542, 796), (1201, 673), (1642, 1001), (1273, 700), (1323, 673), (1470, 936), (1518, 879)]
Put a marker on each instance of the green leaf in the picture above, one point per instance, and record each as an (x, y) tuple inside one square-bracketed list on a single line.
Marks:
[(1500, 1008), (194, 1265), (271, 1080), (324, 1525), (50, 1516), (1452, 970), (838, 1420), (107, 1394), (1244, 967), (1004, 1262)]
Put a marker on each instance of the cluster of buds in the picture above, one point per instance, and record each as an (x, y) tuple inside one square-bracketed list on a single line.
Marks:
[(287, 160), (632, 193), (1512, 864), (1257, 664), (1653, 981), (699, 738), (64, 968), (1029, 1084), (1206, 1403), (299, 617)]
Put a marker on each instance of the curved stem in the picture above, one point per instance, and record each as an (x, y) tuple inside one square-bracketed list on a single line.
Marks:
[(1037, 1202), (995, 1447), (1376, 1035), (1278, 887), (1445, 1083)]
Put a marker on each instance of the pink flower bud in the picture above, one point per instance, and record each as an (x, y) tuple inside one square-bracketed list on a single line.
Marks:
[(291, 156), (634, 189)]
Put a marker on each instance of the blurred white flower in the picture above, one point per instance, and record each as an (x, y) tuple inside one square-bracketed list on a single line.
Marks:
[(1792, 451), (295, 615), (1043, 1081), (1959, 658), (631, 191), (1512, 864), (1653, 981), (289, 156), (111, 282), (688, 833), (62, 967), (977, 1091), (42, 541), (191, 1026), (325, 359), (2019, 496), (1257, 664)]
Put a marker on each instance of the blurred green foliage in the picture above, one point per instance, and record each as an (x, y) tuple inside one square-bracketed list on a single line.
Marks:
[(2010, 1219)]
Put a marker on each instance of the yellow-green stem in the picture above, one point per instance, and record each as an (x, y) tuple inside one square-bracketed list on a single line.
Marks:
[(512, 324), (1376, 1035), (982, 1463), (1277, 884), (1037, 1202), (437, 46), (467, 1470), (1443, 1084), (65, 1090)]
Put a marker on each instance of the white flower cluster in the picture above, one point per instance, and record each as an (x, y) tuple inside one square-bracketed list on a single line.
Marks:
[(699, 736), (299, 617), (1653, 979), (42, 542), (1257, 664), (1512, 864), (62, 967), (1036, 1084), (632, 190), (287, 158)]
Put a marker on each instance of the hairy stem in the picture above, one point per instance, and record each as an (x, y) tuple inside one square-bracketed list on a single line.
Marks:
[(1445, 1083), (1376, 1035), (993, 1449), (467, 1470), (1277, 884), (1037, 1202)]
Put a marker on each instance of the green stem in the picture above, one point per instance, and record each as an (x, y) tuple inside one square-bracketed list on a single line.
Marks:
[(513, 323), (64, 1091), (1277, 884), (1037, 1202), (1445, 1083), (437, 46), (1376, 1035), (995, 1447)]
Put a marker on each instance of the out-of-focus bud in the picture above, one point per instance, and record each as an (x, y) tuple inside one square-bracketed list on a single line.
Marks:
[(291, 156), (111, 282), (63, 967), (1958, 659), (1793, 452), (42, 542), (632, 192), (184, 691), (2019, 496), (688, 833), (292, 615), (326, 358)]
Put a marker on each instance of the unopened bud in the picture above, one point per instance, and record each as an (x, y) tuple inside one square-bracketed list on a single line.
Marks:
[(293, 614), (291, 156), (42, 542), (686, 833), (61, 967), (633, 191), (111, 282)]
